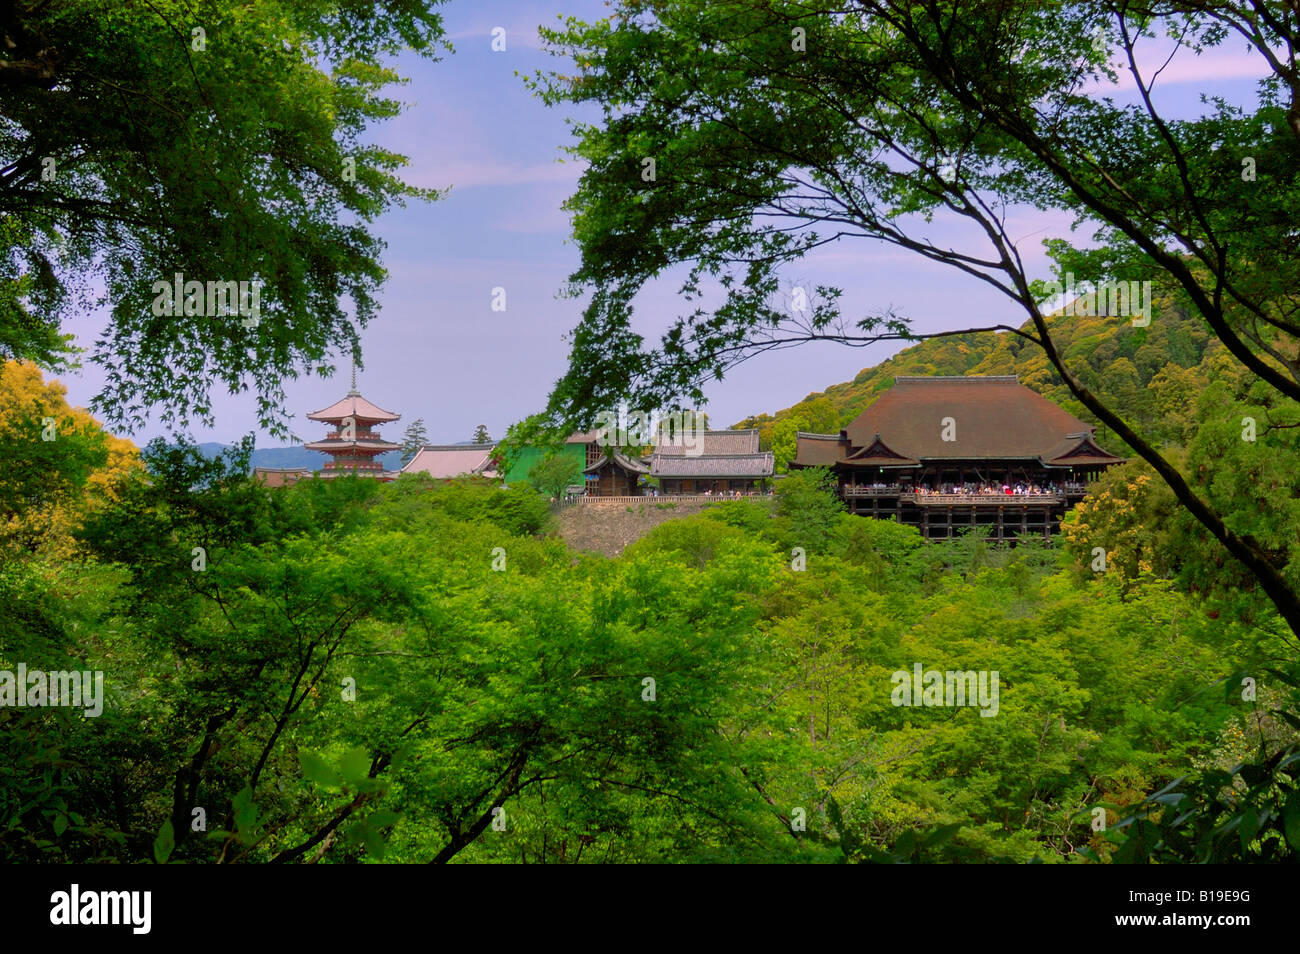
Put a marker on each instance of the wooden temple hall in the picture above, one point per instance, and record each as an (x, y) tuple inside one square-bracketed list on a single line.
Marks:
[(944, 454)]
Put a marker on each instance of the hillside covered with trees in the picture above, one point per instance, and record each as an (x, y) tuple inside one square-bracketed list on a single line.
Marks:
[(1154, 373)]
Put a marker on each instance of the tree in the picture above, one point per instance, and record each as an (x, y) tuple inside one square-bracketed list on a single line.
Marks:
[(816, 415), (55, 462), (212, 140), (777, 128), (413, 438), (806, 501), (481, 435), (554, 474)]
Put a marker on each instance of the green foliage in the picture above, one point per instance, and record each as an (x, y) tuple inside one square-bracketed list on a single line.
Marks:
[(554, 474), (807, 506), (414, 437), (1241, 811), (772, 108), (355, 676), (216, 139)]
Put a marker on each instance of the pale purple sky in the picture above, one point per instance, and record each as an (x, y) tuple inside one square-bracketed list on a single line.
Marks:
[(439, 352)]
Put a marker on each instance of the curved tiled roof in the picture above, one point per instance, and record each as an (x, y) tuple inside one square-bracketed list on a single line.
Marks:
[(622, 460), (355, 406), (332, 444), (451, 460), (718, 465), (713, 444)]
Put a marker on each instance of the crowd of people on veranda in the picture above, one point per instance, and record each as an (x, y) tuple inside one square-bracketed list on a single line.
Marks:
[(1020, 488)]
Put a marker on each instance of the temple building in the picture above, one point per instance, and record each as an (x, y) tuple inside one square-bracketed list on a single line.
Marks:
[(281, 476), (352, 442), (725, 462), (948, 453), (614, 475), (444, 461), (582, 448)]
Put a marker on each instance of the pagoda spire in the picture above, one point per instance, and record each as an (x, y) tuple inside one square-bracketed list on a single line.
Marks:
[(354, 390)]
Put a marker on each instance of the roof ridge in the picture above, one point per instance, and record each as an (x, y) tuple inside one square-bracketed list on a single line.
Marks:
[(757, 453), (967, 378), (425, 447)]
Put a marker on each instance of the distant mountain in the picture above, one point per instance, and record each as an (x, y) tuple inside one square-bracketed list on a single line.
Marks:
[(294, 456)]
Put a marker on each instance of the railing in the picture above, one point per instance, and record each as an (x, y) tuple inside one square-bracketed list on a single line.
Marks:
[(942, 500), (866, 490), (646, 498)]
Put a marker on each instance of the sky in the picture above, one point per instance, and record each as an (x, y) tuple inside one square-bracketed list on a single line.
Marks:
[(438, 351)]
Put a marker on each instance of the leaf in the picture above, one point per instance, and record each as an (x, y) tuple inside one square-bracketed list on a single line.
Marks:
[(245, 810), (1291, 819), (942, 834), (1292, 720), (373, 840), (1249, 827), (1291, 679), (316, 769), (60, 825), (164, 843), (354, 767)]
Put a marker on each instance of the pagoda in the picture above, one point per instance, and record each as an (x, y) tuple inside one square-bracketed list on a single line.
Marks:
[(352, 442)]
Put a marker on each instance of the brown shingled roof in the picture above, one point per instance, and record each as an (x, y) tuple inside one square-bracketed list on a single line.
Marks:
[(818, 450), (995, 418), (1078, 450)]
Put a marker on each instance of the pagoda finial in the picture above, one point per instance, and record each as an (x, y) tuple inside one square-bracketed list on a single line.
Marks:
[(354, 378)]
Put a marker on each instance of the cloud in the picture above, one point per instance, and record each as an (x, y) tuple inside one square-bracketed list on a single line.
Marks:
[(1187, 67), (491, 173)]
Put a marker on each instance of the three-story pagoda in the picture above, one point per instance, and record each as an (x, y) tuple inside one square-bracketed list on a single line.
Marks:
[(352, 443)]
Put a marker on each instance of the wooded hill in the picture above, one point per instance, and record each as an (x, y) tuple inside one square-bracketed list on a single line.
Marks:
[(1152, 374)]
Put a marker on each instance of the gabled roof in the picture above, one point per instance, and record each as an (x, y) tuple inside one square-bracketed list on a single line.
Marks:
[(877, 454), (713, 444), (818, 450), (993, 417), (717, 465), (451, 460), (621, 460), (355, 406), (1077, 450)]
